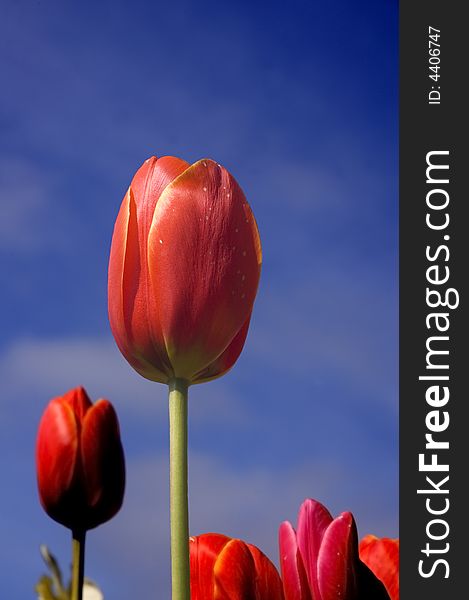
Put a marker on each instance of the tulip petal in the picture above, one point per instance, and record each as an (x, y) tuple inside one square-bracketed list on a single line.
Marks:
[(381, 555), (56, 455), (235, 573), (313, 520), (204, 245), (338, 559), (79, 401), (268, 582), (133, 314), (204, 550), (295, 584), (225, 361), (102, 461)]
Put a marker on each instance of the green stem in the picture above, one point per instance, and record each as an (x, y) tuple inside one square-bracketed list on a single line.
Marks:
[(78, 564), (179, 512)]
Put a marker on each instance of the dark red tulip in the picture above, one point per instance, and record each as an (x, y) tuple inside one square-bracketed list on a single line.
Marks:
[(320, 560), (224, 568), (183, 271), (80, 461), (381, 555)]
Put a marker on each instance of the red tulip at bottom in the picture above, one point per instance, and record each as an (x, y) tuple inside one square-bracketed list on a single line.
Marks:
[(382, 557), (80, 461), (320, 560), (224, 568)]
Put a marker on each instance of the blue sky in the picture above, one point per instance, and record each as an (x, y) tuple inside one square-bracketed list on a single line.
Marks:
[(299, 101)]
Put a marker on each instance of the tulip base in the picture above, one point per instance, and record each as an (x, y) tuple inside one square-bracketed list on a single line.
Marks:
[(179, 511), (78, 564)]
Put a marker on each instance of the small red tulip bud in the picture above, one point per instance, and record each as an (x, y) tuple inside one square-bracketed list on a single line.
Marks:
[(183, 271), (80, 461)]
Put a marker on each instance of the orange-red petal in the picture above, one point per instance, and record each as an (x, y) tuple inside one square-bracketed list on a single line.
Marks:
[(268, 582), (227, 359), (381, 555), (223, 568), (133, 313), (204, 551), (204, 264)]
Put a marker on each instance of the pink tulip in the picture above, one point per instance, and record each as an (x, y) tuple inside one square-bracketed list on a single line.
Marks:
[(320, 560)]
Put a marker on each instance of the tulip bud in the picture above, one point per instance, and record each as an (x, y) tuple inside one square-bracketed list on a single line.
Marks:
[(80, 461), (223, 568), (183, 271), (320, 561), (381, 555)]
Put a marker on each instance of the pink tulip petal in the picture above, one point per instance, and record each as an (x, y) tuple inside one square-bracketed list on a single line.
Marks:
[(102, 461), (204, 245), (295, 583), (337, 560), (313, 520), (56, 454), (381, 555)]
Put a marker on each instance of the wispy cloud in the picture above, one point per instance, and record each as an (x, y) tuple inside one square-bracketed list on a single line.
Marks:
[(25, 194), (34, 370)]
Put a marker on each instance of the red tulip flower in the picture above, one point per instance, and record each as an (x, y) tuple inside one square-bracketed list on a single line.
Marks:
[(80, 461), (320, 560), (381, 555), (183, 271), (223, 568)]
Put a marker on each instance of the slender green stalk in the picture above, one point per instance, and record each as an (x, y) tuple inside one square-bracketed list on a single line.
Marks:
[(179, 512), (78, 564)]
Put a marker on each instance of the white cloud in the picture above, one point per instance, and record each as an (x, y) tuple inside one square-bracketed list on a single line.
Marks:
[(33, 370)]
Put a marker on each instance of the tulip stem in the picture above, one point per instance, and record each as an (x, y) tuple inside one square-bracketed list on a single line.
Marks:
[(78, 564), (179, 511)]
